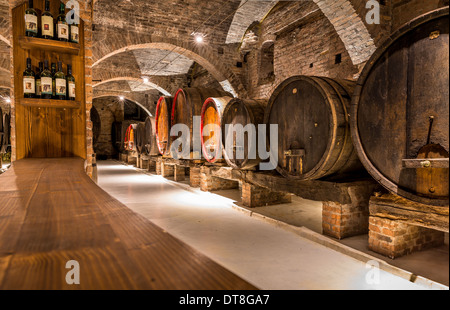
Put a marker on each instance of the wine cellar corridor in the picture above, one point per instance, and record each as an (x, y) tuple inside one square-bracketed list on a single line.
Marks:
[(241, 145)]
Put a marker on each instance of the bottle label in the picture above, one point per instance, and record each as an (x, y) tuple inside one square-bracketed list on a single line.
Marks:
[(60, 87), (47, 26), (29, 85), (31, 23), (63, 31), (74, 33), (38, 87), (71, 89), (46, 85)]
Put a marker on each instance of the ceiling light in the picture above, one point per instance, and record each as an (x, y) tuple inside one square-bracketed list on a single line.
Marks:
[(199, 39), (122, 98), (146, 80), (8, 100)]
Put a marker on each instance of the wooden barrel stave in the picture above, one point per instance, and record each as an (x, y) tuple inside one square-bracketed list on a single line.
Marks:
[(150, 146), (402, 88), (314, 132)]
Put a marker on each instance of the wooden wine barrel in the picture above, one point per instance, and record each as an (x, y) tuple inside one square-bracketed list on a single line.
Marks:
[(150, 145), (242, 112), (211, 114), (163, 124), (130, 138), (139, 138), (6, 133), (400, 111), (187, 104), (313, 129)]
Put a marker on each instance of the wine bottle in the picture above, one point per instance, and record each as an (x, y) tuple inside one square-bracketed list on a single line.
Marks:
[(62, 28), (29, 86), (31, 21), (46, 82), (47, 22), (70, 83), (53, 80), (60, 82), (74, 37), (38, 80)]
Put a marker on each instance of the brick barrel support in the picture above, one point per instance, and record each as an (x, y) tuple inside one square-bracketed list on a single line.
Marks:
[(158, 165), (344, 220), (255, 196), (179, 173), (166, 170), (394, 238), (194, 176), (210, 183)]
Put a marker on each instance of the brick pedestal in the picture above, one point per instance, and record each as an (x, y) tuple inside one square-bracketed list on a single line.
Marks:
[(255, 196), (167, 170), (209, 183), (179, 174), (123, 157), (394, 239), (131, 160), (158, 165), (344, 220), (144, 163), (194, 176), (152, 165)]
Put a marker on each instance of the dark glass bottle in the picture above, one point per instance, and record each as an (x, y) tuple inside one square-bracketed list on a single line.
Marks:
[(47, 22), (46, 82), (38, 80), (29, 83), (53, 80), (31, 21), (74, 33), (70, 84), (60, 83), (62, 28)]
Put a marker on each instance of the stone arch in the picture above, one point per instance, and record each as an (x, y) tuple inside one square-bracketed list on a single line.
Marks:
[(129, 98), (350, 28), (203, 55), (127, 78)]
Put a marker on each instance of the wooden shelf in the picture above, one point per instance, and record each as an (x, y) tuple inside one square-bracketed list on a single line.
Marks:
[(50, 103), (49, 45)]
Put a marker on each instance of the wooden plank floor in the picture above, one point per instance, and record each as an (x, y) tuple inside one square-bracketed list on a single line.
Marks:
[(52, 212)]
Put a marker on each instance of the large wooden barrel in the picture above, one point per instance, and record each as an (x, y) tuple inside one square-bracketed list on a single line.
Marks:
[(96, 125), (211, 115), (187, 104), (150, 145), (116, 135), (1, 127), (400, 111), (313, 128), (242, 112), (163, 124), (139, 137), (6, 142), (131, 137)]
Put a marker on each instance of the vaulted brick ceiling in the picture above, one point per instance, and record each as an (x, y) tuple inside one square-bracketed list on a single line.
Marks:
[(223, 22)]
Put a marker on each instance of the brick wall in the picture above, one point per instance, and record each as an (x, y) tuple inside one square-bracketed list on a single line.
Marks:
[(395, 239)]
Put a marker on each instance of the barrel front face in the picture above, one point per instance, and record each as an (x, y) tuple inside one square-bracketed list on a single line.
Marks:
[(400, 112), (163, 124), (304, 116), (211, 127), (150, 146), (242, 152)]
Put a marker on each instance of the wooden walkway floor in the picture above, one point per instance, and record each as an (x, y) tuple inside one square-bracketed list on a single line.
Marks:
[(51, 212)]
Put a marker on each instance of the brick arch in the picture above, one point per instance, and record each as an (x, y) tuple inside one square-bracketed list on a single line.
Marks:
[(203, 55), (126, 96), (127, 78), (350, 28)]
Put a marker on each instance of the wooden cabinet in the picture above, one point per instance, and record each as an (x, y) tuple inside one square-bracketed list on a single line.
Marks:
[(48, 128)]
